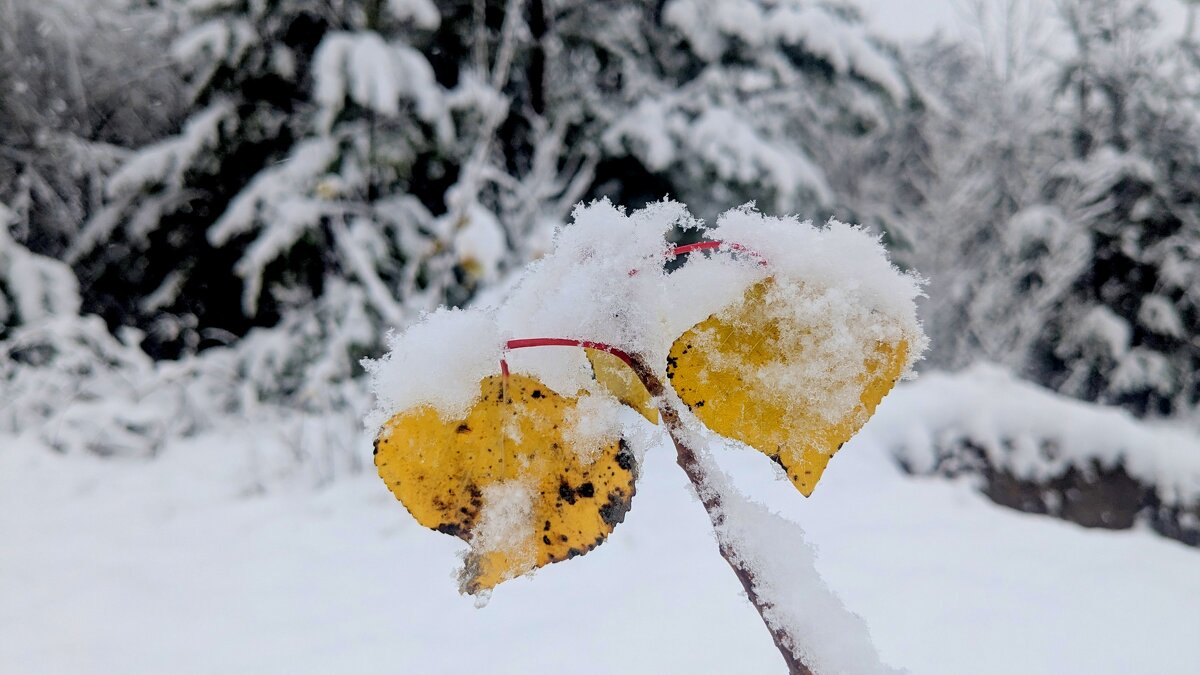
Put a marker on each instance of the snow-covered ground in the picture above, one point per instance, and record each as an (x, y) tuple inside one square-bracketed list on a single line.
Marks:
[(181, 565)]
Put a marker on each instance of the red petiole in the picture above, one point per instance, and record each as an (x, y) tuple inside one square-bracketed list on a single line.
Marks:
[(525, 343), (713, 245), (566, 342)]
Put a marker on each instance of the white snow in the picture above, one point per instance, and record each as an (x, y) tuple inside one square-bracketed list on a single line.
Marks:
[(1106, 167), (1143, 369), (1034, 433), (222, 41), (506, 520), (1160, 315), (118, 567), (423, 13), (688, 17), (737, 152), (713, 27), (480, 243), (723, 139), (648, 131), (275, 204), (583, 289), (439, 361), (846, 46), (592, 424), (376, 75), (1102, 327), (603, 282), (830, 639), (846, 263), (362, 246), (40, 287), (165, 161)]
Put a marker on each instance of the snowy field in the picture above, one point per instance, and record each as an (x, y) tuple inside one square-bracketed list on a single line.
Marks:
[(203, 229), (183, 566)]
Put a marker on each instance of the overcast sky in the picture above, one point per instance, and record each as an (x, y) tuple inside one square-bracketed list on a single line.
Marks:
[(903, 19)]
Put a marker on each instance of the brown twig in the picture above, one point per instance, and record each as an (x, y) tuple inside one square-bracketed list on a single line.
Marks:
[(696, 473), (711, 499)]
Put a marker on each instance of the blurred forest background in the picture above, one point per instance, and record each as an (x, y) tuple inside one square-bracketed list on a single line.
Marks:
[(212, 209)]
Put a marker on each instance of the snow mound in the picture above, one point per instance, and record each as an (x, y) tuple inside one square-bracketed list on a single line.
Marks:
[(1041, 452), (1034, 433)]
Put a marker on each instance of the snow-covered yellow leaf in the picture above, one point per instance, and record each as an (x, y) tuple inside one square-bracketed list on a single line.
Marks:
[(618, 379), (507, 478), (790, 383)]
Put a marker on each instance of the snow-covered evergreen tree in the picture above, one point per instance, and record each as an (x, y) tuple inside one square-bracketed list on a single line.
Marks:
[(1126, 332), (726, 102), (404, 153), (76, 92), (33, 287), (1060, 233), (999, 254), (242, 61)]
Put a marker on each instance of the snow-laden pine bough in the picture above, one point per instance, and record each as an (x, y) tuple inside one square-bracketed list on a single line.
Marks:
[(774, 333)]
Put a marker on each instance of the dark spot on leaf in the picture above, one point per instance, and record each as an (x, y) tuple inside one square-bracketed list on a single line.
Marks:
[(562, 538), (537, 393), (615, 508), (699, 404), (625, 456), (565, 492), (462, 429), (586, 490), (545, 540), (546, 526), (452, 529), (777, 460)]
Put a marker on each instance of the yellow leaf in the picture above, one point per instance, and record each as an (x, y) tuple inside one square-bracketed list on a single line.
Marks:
[(618, 379), (506, 479), (714, 368)]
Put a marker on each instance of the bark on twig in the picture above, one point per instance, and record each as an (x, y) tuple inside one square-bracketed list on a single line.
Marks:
[(711, 499)]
